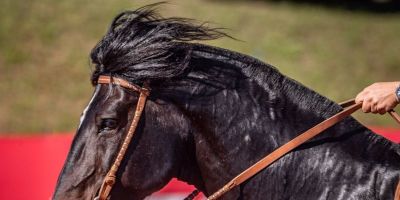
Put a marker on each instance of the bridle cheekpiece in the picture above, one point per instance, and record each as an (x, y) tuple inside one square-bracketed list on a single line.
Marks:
[(144, 92)]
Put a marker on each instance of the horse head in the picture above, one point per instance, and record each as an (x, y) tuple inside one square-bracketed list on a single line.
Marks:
[(139, 46)]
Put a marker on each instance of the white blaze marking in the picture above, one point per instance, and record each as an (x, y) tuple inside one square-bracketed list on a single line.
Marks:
[(97, 89)]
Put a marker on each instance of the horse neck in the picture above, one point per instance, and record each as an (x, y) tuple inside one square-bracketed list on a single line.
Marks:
[(235, 127)]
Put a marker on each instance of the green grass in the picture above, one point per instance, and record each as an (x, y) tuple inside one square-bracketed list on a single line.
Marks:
[(44, 47)]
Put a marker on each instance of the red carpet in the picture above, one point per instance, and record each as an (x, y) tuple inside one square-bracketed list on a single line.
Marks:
[(30, 166)]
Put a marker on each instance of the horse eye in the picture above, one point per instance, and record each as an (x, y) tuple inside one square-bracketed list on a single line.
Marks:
[(108, 124)]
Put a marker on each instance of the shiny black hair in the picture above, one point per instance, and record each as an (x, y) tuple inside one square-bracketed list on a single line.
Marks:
[(140, 44)]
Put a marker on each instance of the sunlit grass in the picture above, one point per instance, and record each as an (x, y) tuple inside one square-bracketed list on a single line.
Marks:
[(44, 47)]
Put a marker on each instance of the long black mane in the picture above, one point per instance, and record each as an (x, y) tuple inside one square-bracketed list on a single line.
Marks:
[(141, 45)]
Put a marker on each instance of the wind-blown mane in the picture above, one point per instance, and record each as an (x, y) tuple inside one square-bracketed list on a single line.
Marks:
[(141, 45)]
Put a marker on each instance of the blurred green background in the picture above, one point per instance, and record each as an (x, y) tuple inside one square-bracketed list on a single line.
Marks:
[(44, 47)]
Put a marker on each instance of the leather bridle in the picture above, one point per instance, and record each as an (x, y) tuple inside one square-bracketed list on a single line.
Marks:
[(109, 180), (144, 92)]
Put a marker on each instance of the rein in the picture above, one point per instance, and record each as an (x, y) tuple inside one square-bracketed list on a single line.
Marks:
[(349, 107)]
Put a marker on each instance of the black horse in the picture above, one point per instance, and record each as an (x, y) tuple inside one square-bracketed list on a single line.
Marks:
[(211, 114)]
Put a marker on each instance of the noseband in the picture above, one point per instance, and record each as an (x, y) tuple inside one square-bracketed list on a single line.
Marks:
[(144, 92)]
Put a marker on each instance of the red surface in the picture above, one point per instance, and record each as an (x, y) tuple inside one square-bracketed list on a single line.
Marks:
[(30, 165), (389, 133)]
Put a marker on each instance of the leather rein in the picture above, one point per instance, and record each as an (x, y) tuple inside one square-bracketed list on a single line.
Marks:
[(349, 107)]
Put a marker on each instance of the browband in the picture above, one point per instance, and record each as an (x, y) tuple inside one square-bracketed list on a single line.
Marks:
[(121, 82)]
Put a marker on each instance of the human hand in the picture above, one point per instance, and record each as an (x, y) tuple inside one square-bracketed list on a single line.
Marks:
[(378, 97)]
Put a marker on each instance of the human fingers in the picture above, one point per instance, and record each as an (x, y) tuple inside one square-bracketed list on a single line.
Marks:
[(360, 97), (374, 108), (366, 106), (381, 109)]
